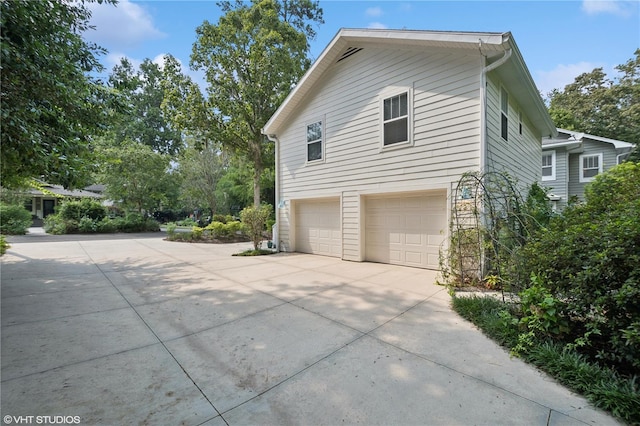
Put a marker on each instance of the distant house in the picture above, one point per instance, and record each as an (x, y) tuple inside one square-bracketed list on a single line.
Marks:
[(374, 137), (572, 159), (43, 201)]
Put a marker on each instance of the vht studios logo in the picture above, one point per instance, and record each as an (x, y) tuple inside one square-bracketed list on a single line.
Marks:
[(41, 420)]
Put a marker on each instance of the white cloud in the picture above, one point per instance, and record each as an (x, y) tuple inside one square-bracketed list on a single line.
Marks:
[(561, 75), (373, 12), (615, 7), (121, 26), (377, 26)]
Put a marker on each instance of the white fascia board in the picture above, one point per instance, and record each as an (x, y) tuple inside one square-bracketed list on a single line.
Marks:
[(561, 143), (618, 144)]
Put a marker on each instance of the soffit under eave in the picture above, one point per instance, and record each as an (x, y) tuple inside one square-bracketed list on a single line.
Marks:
[(522, 89)]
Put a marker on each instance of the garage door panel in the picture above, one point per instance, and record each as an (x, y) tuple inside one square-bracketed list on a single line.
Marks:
[(405, 229), (414, 239), (318, 228), (414, 258)]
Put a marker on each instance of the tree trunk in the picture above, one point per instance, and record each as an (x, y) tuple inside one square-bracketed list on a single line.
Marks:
[(257, 172)]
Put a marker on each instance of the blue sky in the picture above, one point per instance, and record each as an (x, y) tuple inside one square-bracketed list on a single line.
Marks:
[(558, 39)]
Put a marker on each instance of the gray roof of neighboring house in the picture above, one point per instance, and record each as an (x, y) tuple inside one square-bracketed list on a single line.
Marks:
[(569, 138), (59, 190)]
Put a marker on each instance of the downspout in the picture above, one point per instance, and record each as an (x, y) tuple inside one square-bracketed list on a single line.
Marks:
[(483, 124), (276, 231), (483, 103)]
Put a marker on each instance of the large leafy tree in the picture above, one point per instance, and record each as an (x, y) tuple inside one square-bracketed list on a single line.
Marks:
[(50, 103), (200, 171), (597, 105), (135, 176), (144, 121), (251, 58)]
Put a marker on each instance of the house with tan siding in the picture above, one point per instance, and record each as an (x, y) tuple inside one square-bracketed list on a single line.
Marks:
[(372, 141), (573, 159)]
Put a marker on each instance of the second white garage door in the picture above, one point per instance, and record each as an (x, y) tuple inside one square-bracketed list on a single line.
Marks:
[(318, 228), (406, 229)]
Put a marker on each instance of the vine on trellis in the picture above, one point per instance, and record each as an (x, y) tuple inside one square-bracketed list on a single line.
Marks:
[(490, 223)]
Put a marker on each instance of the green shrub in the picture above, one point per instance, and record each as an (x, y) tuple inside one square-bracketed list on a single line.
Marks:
[(14, 219), (77, 209), (171, 228), (53, 224), (87, 225), (254, 220), (196, 232), (135, 222), (187, 222), (3, 245), (221, 230), (106, 226), (222, 218), (589, 259), (602, 386)]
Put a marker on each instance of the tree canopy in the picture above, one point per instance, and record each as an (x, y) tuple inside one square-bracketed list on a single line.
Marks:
[(143, 121), (50, 103), (135, 176), (600, 106), (251, 58)]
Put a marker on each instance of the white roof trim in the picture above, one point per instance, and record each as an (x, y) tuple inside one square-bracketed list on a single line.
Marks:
[(581, 136)]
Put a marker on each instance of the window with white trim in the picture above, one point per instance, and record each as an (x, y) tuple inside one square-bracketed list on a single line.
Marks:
[(548, 165), (504, 114), (314, 142), (520, 122), (590, 166), (395, 119)]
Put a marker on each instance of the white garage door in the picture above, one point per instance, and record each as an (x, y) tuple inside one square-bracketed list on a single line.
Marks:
[(318, 227), (406, 229)]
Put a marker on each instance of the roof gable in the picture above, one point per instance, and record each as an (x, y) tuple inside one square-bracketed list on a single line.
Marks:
[(493, 46)]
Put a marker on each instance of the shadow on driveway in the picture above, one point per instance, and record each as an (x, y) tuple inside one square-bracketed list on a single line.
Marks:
[(132, 329)]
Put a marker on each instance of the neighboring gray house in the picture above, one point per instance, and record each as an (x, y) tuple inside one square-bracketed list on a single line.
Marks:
[(375, 136), (44, 200), (572, 159)]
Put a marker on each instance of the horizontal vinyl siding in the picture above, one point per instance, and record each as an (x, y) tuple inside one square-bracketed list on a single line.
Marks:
[(589, 147), (446, 123), (519, 156), (559, 186)]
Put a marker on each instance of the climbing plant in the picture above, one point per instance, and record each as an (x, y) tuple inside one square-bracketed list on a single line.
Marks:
[(490, 223)]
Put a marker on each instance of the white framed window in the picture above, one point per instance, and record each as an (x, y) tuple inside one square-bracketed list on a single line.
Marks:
[(315, 142), (590, 166), (396, 120), (504, 114), (520, 122), (548, 165)]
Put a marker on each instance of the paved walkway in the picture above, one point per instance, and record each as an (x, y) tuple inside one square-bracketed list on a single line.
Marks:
[(131, 329)]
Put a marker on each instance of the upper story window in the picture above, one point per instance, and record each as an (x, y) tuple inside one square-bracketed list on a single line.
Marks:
[(504, 114), (590, 166), (520, 121), (549, 165), (314, 141), (396, 119)]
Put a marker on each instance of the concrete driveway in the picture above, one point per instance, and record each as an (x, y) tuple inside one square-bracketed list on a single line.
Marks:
[(132, 329)]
